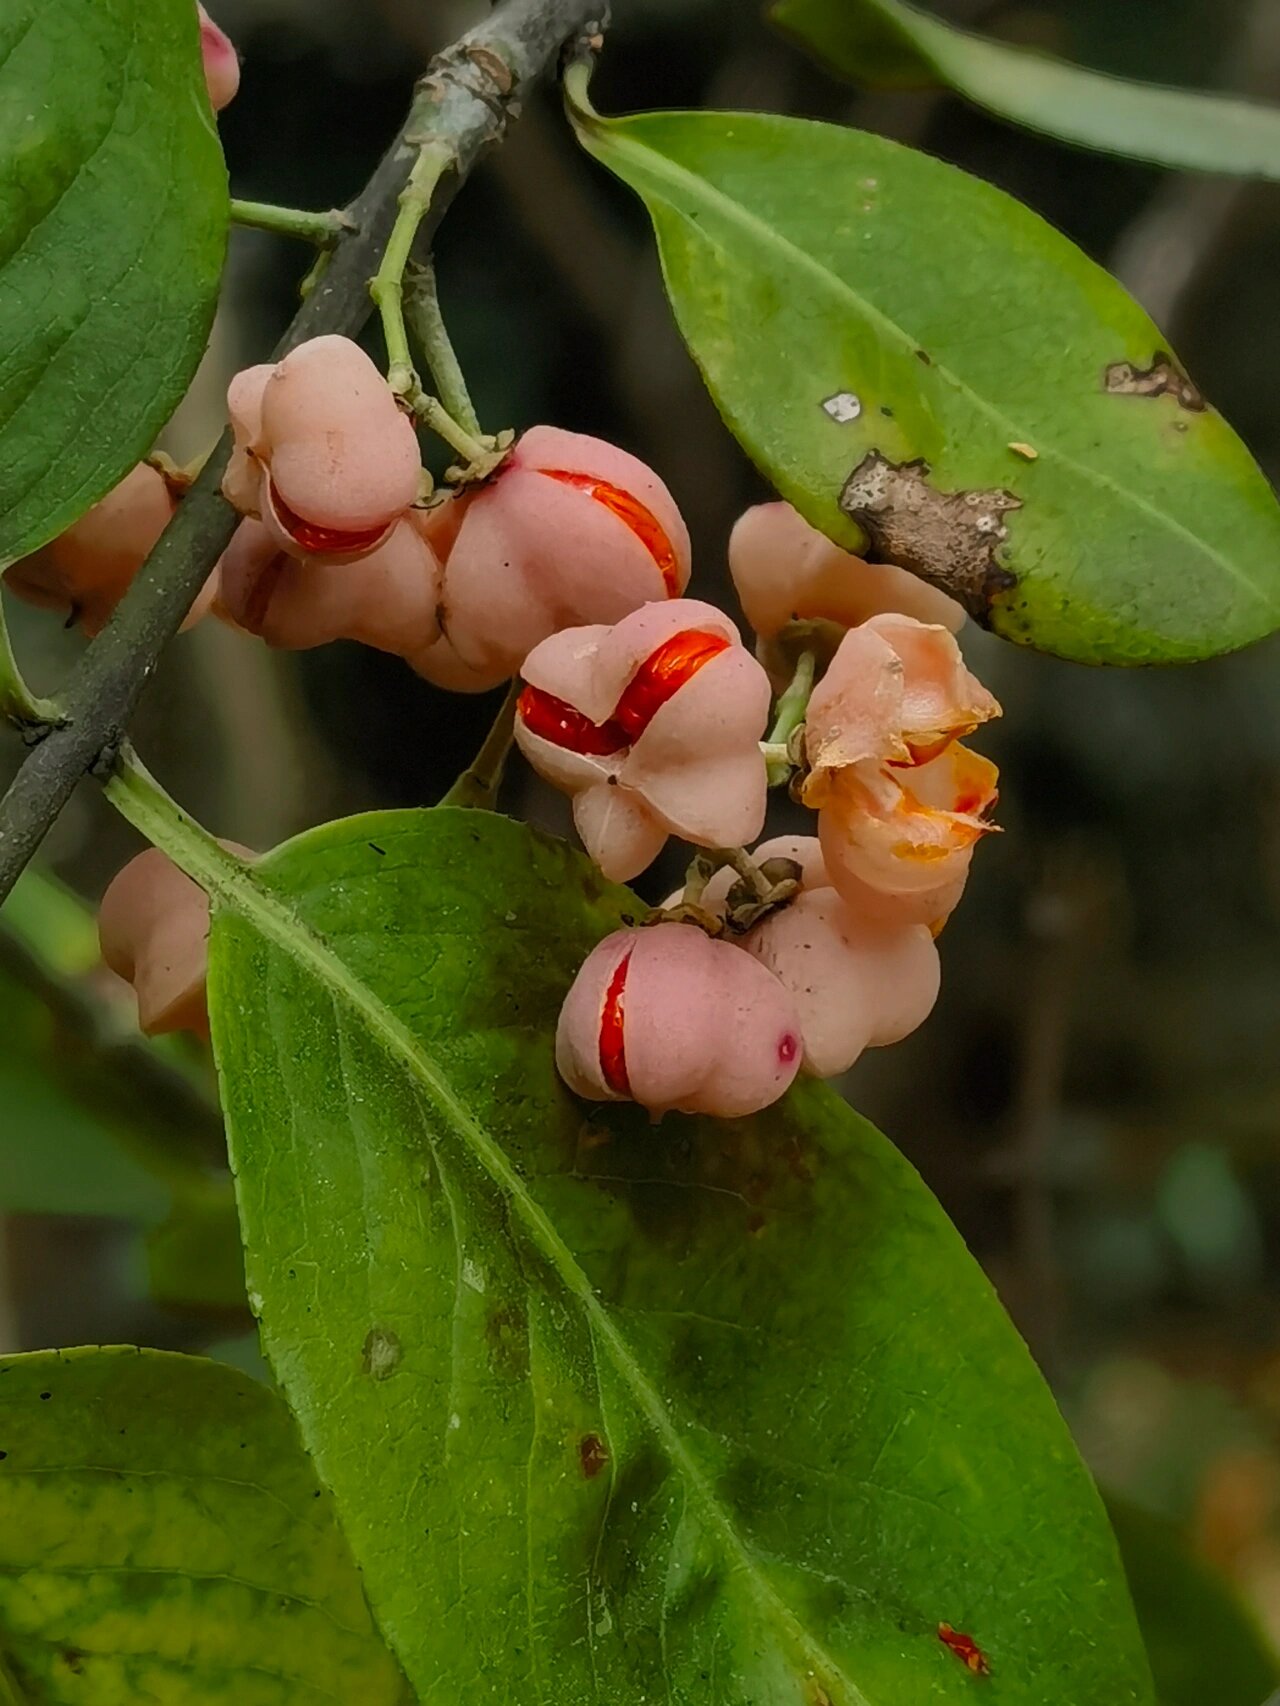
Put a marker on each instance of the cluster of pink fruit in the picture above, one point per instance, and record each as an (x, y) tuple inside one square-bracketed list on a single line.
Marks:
[(567, 566)]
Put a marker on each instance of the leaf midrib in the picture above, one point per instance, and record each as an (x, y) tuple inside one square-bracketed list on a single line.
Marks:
[(233, 884), (671, 171)]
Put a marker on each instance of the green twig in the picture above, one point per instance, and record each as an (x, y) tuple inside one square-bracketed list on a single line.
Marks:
[(427, 327), (789, 715), (387, 290), (17, 701), (479, 783), (322, 229)]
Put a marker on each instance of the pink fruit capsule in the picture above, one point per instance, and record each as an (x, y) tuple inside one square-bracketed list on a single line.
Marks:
[(221, 62), (387, 599), (652, 727), (153, 928), (862, 974), (86, 571), (857, 983), (323, 455), (675, 1021), (784, 570), (569, 531)]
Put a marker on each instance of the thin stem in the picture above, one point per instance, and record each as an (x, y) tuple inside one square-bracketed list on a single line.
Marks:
[(152, 810), (17, 701), (427, 327), (432, 413), (738, 859), (789, 715), (322, 229), (479, 783), (387, 285), (387, 291)]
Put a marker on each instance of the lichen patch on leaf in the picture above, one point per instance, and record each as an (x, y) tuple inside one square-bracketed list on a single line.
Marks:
[(1164, 378), (948, 538)]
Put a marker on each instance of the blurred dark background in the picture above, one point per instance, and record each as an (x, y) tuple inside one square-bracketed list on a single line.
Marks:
[(1097, 1098)]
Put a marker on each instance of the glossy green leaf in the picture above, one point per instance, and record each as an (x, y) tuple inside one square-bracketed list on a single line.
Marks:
[(702, 1412), (163, 1538), (927, 370), (890, 43), (1204, 1644), (113, 219)]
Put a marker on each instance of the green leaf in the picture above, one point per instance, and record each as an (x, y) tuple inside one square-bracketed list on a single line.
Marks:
[(1204, 1644), (113, 219), (894, 44), (919, 362), (163, 1538), (697, 1412)]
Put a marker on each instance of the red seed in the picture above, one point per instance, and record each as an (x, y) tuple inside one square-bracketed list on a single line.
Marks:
[(965, 1648), (662, 675), (613, 1046), (328, 539), (642, 522), (557, 721)]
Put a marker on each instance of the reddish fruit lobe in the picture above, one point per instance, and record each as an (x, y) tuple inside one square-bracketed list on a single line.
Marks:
[(965, 1648), (613, 1046), (642, 522), (658, 679), (315, 538)]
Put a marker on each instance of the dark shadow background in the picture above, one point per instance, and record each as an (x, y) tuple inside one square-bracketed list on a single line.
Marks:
[(1096, 1099)]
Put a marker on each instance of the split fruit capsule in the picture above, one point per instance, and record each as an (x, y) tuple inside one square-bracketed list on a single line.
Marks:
[(653, 728), (323, 455), (568, 531)]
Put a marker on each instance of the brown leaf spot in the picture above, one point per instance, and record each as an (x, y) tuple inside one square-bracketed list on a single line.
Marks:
[(948, 538), (73, 1658), (1164, 378), (381, 1353), (592, 1455), (965, 1648)]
